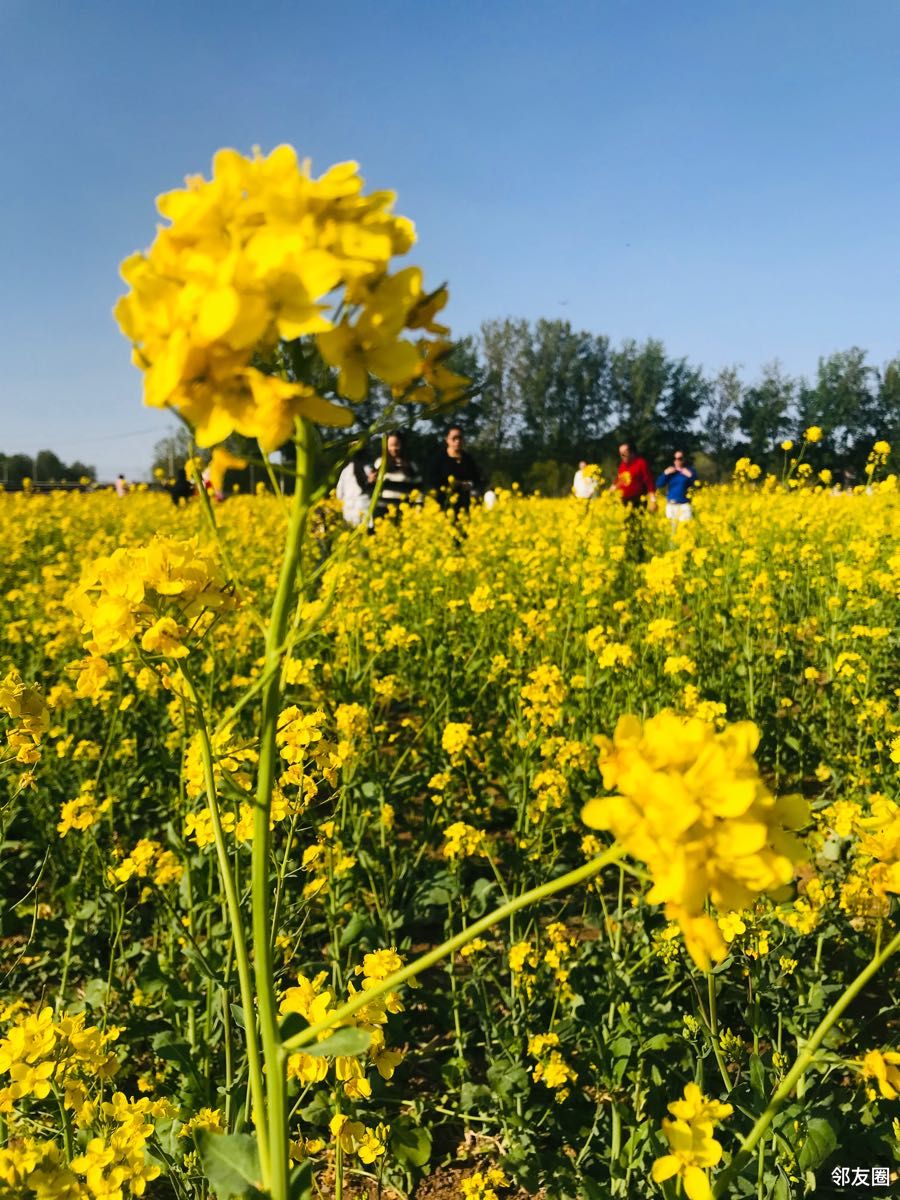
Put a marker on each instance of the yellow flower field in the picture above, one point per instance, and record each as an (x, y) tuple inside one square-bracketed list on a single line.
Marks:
[(444, 746), (467, 850)]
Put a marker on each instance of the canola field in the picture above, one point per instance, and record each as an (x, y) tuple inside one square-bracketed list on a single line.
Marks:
[(576, 875)]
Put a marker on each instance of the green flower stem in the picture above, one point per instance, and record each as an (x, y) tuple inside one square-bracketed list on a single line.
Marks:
[(232, 900), (714, 1030), (803, 1060), (339, 1015), (276, 1178), (68, 1143)]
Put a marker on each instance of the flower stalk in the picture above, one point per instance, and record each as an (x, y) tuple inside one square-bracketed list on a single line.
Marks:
[(803, 1060), (432, 957), (276, 1078)]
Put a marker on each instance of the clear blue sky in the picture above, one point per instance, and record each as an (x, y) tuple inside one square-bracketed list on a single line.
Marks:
[(723, 175)]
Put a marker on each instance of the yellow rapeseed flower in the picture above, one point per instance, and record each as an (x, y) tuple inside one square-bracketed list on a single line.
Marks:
[(691, 805)]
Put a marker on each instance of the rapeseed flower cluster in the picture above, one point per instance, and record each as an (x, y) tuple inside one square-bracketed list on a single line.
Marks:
[(162, 597), (314, 1000), (263, 251), (690, 804), (26, 707), (692, 1147), (40, 1052)]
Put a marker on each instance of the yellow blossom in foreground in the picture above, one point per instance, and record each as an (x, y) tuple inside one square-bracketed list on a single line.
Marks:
[(813, 434), (692, 1148), (884, 1067), (692, 806), (260, 252), (31, 719)]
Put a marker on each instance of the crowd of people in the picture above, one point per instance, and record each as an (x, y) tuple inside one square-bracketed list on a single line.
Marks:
[(453, 476), (636, 486)]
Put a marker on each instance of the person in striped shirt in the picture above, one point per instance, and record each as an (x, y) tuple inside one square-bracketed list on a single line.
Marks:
[(400, 477)]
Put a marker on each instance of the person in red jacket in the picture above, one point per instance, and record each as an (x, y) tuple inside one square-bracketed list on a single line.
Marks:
[(633, 483), (635, 479)]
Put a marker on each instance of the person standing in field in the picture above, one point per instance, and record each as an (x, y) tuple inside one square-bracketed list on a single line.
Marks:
[(122, 488), (634, 480), (400, 477), (455, 475), (353, 489), (181, 487), (585, 483), (635, 486), (678, 481)]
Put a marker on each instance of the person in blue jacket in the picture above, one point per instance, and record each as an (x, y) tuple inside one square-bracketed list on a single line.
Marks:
[(678, 481)]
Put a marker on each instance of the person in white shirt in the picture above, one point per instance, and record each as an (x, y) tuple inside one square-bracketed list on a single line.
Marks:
[(584, 485), (353, 490)]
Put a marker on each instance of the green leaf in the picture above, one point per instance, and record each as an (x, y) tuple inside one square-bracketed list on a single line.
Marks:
[(507, 1080), (782, 1187), (300, 1184), (95, 993), (758, 1076), (410, 1143), (621, 1047), (659, 1041), (820, 1142), (292, 1024), (343, 1042), (238, 1017), (354, 928), (173, 1049), (231, 1163)]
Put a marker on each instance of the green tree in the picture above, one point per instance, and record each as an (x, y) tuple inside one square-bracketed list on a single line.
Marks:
[(495, 421), (172, 452), (843, 403), (720, 418), (655, 400), (564, 387), (765, 413), (887, 405), (48, 467)]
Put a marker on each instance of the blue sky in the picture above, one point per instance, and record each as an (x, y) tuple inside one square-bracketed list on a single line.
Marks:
[(723, 175)]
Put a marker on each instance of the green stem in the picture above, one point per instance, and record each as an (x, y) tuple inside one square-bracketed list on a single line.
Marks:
[(66, 1124), (339, 1015), (803, 1060), (276, 1079), (242, 956), (714, 1030)]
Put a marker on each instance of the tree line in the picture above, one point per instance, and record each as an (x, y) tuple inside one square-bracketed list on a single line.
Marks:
[(45, 467), (545, 395)]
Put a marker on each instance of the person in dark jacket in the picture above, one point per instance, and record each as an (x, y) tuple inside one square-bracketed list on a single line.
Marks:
[(455, 475), (181, 488)]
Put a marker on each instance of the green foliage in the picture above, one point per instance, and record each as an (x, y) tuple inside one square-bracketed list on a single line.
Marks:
[(231, 1164)]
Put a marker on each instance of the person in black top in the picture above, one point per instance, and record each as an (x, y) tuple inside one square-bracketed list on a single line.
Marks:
[(181, 488), (400, 477), (455, 474)]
